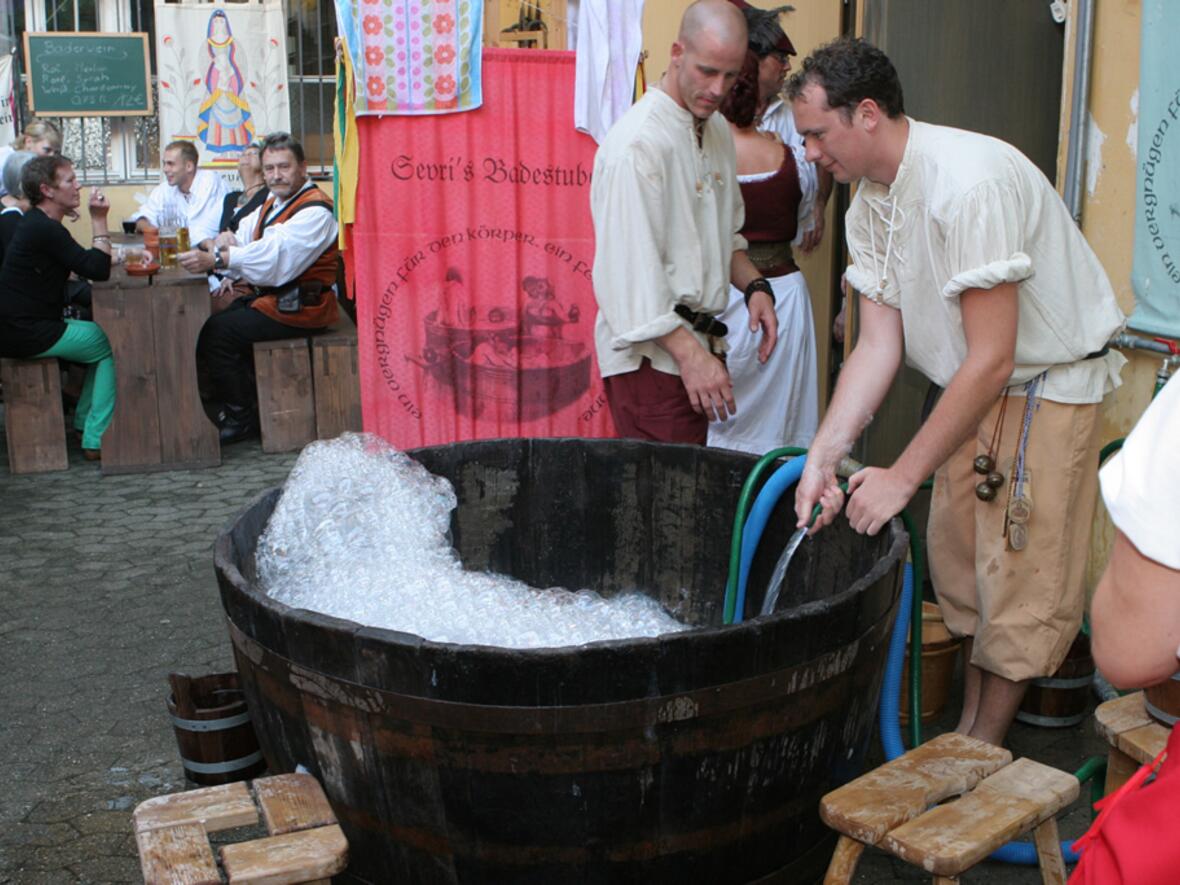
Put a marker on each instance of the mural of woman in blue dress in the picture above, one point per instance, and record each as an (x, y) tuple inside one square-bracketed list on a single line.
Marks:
[(225, 126)]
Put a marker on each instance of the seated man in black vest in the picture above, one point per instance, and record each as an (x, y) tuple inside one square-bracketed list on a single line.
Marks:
[(278, 269)]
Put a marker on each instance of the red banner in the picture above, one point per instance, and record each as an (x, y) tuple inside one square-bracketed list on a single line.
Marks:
[(472, 247)]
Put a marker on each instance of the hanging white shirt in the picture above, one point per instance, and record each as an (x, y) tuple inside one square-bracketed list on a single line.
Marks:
[(285, 250), (667, 215), (967, 211), (609, 40), (202, 204)]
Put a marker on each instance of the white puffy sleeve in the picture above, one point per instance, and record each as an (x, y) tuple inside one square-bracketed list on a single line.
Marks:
[(985, 240), (631, 284)]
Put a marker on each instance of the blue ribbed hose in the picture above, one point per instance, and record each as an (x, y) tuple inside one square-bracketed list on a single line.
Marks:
[(781, 480), (1024, 853), (889, 711)]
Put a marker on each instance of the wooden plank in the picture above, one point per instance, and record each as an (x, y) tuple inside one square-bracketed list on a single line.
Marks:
[(1112, 718), (215, 808), (286, 407), (1144, 743), (133, 440), (954, 837), (875, 803), (292, 802), (33, 419), (294, 857), (187, 436), (176, 855), (336, 385)]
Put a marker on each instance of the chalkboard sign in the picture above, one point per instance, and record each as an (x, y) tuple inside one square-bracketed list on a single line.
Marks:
[(76, 74)]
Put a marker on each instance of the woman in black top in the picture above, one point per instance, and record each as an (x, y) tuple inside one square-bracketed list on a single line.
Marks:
[(36, 266), (239, 204)]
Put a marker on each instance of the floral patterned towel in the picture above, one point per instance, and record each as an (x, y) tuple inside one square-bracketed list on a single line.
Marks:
[(414, 56)]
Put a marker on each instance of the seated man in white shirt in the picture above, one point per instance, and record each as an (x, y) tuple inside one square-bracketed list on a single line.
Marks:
[(279, 272), (200, 193)]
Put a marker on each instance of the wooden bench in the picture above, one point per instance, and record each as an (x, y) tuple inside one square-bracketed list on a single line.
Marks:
[(308, 387), (303, 843), (999, 800), (33, 417), (1134, 737)]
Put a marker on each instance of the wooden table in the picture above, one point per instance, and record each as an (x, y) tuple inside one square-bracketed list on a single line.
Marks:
[(153, 323), (1134, 737)]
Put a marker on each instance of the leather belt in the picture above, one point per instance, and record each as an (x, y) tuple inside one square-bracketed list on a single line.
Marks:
[(702, 322)]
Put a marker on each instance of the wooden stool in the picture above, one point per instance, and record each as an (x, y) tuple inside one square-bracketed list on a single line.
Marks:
[(33, 417), (1134, 737), (286, 407), (998, 801), (305, 844), (308, 388)]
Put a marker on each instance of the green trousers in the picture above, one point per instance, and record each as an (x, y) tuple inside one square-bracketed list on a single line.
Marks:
[(85, 342)]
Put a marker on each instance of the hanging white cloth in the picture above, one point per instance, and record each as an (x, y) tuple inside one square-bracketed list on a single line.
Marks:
[(609, 40)]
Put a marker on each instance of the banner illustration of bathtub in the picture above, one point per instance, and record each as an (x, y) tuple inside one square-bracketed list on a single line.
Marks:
[(473, 245), (222, 75)]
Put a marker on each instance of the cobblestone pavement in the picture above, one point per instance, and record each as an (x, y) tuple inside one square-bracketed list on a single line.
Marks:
[(107, 587)]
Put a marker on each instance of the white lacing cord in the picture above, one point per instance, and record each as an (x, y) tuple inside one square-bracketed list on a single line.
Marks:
[(879, 273)]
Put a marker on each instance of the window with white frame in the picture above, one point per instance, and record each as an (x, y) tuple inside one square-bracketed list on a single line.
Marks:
[(113, 149)]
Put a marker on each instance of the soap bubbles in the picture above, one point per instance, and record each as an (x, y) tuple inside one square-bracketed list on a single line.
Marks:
[(361, 532)]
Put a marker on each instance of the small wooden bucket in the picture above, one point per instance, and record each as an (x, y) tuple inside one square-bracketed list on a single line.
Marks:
[(213, 729), (940, 651), (1163, 701), (1062, 699)]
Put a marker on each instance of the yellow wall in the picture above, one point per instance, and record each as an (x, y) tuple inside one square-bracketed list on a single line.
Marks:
[(813, 22), (1109, 209)]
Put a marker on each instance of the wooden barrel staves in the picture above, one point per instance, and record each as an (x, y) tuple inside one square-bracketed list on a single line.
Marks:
[(1062, 699), (1163, 700), (213, 729)]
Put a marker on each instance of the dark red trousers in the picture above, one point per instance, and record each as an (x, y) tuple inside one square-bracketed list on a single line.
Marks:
[(653, 405)]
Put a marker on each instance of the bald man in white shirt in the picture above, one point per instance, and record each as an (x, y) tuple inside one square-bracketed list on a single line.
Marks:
[(667, 211)]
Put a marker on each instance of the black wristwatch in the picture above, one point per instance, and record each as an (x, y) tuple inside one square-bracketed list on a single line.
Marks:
[(218, 261)]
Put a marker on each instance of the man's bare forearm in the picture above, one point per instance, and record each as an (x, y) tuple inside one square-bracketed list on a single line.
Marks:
[(864, 382)]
